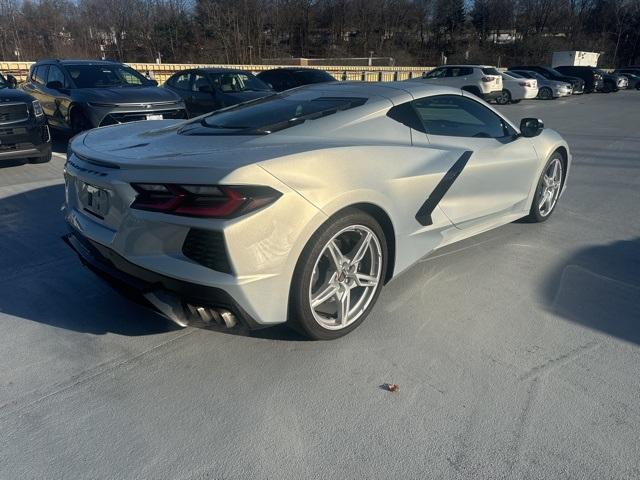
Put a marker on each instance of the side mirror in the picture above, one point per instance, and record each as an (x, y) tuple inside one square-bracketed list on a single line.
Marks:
[(12, 81), (531, 127), (205, 89), (55, 85)]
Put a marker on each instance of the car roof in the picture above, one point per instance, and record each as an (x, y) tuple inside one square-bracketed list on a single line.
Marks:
[(217, 70), (467, 66), (294, 69), (393, 91), (79, 62)]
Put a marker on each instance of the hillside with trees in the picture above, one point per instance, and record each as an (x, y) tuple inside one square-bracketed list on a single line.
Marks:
[(412, 32)]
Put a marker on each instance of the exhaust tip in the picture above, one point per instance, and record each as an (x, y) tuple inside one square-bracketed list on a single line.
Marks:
[(190, 315)]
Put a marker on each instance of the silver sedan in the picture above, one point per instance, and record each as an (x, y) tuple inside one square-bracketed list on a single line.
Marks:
[(547, 89), (298, 207)]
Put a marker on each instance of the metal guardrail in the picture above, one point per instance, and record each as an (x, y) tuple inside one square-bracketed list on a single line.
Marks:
[(164, 70)]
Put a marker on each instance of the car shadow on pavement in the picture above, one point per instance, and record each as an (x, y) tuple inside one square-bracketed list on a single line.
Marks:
[(43, 281), (599, 287)]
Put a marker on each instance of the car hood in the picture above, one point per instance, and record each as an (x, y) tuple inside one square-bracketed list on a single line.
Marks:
[(159, 144), (13, 95), (117, 95)]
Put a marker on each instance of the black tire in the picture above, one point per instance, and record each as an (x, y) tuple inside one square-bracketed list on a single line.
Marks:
[(535, 215), (43, 159), (79, 122), (301, 317), (545, 93), (607, 88), (516, 101), (504, 98)]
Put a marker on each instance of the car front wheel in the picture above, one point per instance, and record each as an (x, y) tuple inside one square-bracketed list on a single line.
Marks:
[(545, 93), (339, 276), (548, 189)]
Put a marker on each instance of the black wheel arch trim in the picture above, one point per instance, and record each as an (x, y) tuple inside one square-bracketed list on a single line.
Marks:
[(424, 213)]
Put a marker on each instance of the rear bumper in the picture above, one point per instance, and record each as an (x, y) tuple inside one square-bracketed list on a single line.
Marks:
[(491, 95), (139, 284), (31, 140)]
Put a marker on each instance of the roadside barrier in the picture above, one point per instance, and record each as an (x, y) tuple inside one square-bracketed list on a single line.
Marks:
[(161, 72)]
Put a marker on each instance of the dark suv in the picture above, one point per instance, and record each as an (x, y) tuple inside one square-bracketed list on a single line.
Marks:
[(285, 78), (77, 95), (552, 74), (593, 80), (24, 133)]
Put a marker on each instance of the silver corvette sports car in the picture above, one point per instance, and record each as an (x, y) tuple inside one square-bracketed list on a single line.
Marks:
[(299, 206)]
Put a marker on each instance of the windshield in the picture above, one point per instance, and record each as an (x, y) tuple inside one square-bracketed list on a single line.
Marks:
[(238, 82), (3, 82), (95, 76), (276, 112)]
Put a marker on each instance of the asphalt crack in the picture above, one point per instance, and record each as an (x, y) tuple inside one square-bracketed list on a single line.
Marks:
[(17, 406)]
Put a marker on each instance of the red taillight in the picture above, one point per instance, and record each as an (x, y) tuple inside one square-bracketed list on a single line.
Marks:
[(202, 200)]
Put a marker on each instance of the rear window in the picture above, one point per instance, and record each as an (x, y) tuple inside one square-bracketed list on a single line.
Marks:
[(490, 71), (313, 76), (275, 112), (512, 75)]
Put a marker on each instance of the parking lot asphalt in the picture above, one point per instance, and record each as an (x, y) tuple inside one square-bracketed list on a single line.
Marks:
[(516, 352)]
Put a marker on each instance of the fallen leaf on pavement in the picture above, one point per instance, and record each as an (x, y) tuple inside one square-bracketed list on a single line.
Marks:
[(391, 387)]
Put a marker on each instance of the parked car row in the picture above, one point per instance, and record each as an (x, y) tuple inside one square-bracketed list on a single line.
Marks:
[(532, 81), (77, 95)]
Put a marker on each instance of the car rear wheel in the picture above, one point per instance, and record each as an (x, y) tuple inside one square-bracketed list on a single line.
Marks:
[(504, 97), (339, 276), (545, 93), (548, 189)]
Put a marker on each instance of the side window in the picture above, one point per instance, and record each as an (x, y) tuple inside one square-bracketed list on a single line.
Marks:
[(437, 73), (40, 74), (458, 116), (200, 83), (56, 75), (460, 71), (267, 77), (181, 81)]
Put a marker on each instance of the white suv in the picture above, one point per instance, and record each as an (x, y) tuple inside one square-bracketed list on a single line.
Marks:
[(482, 80)]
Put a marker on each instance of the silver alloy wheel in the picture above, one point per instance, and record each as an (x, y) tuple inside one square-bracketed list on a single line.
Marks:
[(345, 277), (546, 93), (550, 188), (503, 98)]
